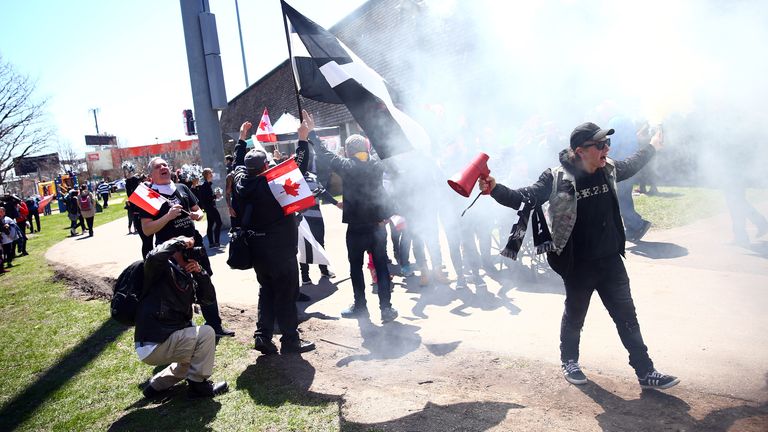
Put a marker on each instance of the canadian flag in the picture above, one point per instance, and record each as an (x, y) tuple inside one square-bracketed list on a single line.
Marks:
[(399, 222), (265, 132), (289, 187), (147, 199)]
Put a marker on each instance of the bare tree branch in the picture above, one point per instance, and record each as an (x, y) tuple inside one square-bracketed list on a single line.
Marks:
[(22, 129)]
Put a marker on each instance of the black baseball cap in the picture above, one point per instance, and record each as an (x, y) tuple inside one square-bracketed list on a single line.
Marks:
[(588, 132), (256, 159)]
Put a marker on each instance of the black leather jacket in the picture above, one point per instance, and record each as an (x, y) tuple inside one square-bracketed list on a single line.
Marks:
[(169, 291)]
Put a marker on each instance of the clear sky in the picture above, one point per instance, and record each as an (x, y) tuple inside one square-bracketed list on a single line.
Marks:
[(127, 58)]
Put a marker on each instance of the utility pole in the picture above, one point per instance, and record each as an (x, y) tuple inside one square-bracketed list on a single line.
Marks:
[(242, 47), (95, 120)]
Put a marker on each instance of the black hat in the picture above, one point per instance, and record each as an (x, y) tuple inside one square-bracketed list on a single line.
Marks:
[(256, 159), (588, 132)]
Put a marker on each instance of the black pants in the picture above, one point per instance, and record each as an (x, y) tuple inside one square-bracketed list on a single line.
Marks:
[(21, 242), (75, 223), (9, 252), (89, 222), (372, 238), (609, 278), (130, 219), (213, 231), (36, 215), (317, 226), (105, 198), (277, 270)]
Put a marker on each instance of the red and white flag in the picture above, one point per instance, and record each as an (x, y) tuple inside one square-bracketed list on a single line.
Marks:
[(265, 132), (147, 199), (399, 222), (289, 187)]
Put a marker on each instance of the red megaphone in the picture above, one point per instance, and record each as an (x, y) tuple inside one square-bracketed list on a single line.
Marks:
[(464, 182)]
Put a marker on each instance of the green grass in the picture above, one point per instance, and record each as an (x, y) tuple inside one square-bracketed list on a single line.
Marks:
[(678, 206), (67, 366)]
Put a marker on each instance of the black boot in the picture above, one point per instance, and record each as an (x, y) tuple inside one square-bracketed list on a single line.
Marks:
[(206, 389)]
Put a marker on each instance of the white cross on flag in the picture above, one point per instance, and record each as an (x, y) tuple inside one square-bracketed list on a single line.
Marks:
[(310, 251), (147, 199), (328, 71), (289, 187), (265, 132)]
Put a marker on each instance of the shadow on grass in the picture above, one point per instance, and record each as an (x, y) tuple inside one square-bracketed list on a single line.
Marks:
[(175, 412), (474, 416), (23, 406), (668, 412)]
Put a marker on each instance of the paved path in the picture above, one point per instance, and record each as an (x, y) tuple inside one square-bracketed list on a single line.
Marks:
[(701, 303)]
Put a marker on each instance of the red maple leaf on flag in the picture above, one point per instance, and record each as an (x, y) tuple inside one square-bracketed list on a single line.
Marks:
[(263, 125), (153, 194), (291, 188)]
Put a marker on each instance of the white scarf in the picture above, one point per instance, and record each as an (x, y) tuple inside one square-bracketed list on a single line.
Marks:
[(168, 189)]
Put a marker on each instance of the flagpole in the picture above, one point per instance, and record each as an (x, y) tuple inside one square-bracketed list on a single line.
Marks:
[(290, 58)]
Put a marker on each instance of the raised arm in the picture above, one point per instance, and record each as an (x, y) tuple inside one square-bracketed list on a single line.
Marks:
[(631, 165), (538, 192)]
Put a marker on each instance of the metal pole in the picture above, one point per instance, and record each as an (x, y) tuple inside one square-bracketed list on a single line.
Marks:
[(290, 58), (207, 118), (242, 48), (95, 120)]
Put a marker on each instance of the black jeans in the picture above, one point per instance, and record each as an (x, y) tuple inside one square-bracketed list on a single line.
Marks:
[(36, 215), (9, 252), (277, 270), (213, 231), (105, 198), (609, 278), (371, 238), (317, 227), (89, 221)]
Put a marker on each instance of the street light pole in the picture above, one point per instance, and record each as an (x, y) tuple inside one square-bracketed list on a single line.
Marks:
[(95, 120), (242, 48)]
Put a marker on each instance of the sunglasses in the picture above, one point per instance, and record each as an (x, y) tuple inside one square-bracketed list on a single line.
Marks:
[(600, 145)]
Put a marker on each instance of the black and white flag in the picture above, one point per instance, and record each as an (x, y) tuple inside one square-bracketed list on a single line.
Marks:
[(310, 251), (328, 71)]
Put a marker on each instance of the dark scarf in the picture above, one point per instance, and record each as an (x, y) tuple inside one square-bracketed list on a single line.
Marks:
[(542, 239)]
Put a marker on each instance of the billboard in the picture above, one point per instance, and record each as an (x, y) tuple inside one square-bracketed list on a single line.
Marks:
[(100, 140), (30, 164)]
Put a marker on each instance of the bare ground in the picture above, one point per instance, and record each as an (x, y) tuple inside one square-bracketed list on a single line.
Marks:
[(385, 378)]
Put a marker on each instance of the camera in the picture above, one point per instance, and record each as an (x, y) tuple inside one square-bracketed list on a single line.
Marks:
[(196, 253)]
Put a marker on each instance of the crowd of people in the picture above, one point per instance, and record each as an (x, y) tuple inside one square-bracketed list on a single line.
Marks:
[(16, 215), (585, 246)]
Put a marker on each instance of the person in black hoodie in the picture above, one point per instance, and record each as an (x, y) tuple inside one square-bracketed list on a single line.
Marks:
[(273, 239), (366, 212), (165, 335), (587, 243)]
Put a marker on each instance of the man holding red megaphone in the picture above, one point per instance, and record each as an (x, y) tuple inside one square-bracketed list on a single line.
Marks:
[(587, 242)]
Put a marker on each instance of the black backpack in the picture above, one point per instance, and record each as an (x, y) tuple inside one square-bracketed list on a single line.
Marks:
[(127, 293)]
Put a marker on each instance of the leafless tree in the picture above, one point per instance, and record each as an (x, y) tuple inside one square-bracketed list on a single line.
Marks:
[(22, 129), (68, 156)]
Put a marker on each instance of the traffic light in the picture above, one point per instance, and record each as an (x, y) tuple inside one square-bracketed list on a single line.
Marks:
[(189, 122)]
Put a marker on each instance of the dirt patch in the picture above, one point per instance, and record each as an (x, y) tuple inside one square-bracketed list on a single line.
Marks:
[(384, 377), (82, 284)]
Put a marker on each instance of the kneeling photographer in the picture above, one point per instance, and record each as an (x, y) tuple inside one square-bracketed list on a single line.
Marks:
[(173, 280)]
